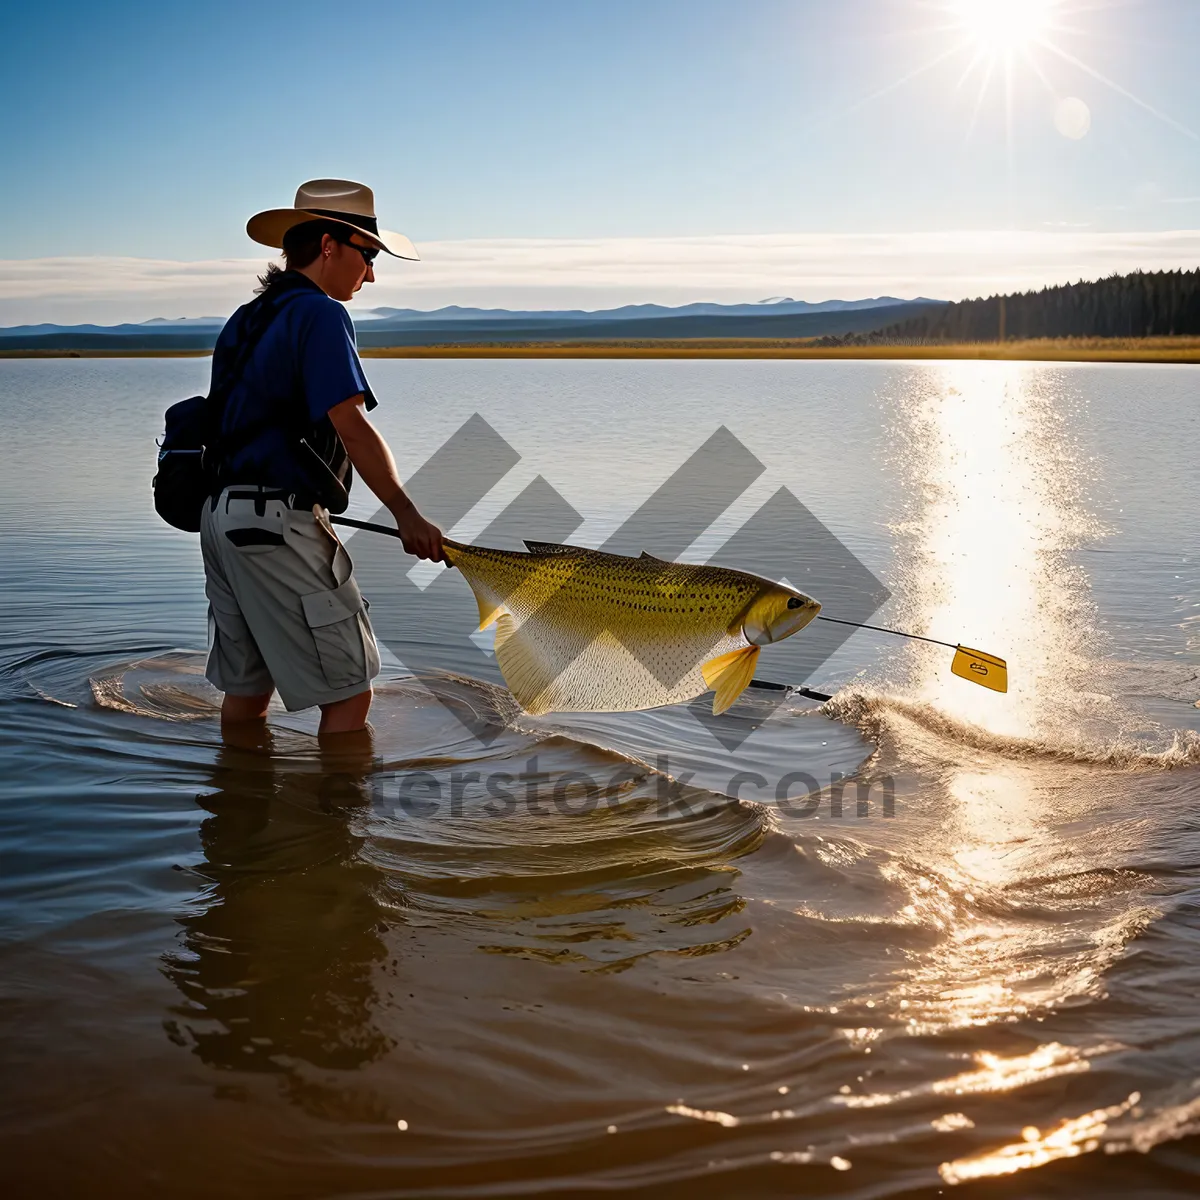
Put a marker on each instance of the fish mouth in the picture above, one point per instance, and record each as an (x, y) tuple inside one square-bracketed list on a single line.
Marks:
[(791, 622), (805, 615)]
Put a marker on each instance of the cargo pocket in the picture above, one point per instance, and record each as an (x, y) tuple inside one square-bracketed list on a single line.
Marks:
[(337, 622), (235, 663)]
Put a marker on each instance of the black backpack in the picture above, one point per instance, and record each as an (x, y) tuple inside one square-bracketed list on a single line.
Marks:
[(191, 451)]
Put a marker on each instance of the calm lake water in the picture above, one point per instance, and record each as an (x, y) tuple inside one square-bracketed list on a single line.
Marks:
[(505, 956)]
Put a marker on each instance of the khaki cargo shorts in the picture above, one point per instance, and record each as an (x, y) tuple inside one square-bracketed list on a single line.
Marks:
[(284, 610)]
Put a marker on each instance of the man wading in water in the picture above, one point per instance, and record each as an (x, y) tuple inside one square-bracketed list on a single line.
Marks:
[(284, 609)]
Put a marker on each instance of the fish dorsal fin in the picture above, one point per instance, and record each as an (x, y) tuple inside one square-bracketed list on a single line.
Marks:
[(551, 548), (729, 675), (655, 558)]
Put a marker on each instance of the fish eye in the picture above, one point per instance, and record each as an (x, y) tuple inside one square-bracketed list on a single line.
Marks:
[(795, 602)]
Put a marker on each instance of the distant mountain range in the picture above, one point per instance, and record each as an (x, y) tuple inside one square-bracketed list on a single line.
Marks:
[(777, 305), (144, 328), (778, 317), (762, 323)]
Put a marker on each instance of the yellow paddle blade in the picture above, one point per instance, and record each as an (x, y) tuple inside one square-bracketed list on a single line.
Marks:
[(984, 669)]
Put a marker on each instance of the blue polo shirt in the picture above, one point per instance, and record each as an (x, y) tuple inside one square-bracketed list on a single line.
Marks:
[(305, 363)]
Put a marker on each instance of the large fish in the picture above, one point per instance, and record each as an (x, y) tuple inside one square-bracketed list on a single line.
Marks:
[(584, 631)]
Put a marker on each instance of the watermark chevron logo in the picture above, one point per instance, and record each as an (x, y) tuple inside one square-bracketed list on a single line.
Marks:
[(782, 540)]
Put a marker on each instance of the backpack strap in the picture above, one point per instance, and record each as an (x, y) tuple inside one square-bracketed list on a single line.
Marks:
[(259, 321)]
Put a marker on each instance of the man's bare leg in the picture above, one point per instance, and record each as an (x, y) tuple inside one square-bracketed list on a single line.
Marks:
[(244, 721), (342, 716), (245, 708), (345, 716)]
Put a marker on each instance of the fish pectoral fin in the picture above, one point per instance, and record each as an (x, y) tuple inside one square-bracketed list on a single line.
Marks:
[(490, 608), (489, 611), (551, 548), (729, 675), (522, 672)]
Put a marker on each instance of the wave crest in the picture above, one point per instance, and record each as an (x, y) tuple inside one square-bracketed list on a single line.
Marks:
[(877, 715)]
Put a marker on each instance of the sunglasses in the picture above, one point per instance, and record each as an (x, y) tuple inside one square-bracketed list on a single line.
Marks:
[(369, 253)]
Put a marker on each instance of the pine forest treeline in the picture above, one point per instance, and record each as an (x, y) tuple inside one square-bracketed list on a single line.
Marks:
[(1144, 304)]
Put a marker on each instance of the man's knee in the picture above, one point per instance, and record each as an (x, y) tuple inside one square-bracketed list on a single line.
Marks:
[(245, 708), (346, 716)]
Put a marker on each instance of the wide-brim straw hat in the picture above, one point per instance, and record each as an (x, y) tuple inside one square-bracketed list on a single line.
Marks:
[(339, 200)]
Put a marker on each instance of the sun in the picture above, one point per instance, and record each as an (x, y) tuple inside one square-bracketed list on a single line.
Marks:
[(1000, 27), (1013, 46)]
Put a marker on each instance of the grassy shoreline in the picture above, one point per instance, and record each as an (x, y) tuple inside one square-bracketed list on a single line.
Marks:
[(1090, 350)]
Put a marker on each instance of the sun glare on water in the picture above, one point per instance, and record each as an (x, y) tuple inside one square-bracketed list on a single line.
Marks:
[(997, 514)]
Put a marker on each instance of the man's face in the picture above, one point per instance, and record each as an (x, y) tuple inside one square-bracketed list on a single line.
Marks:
[(345, 268)]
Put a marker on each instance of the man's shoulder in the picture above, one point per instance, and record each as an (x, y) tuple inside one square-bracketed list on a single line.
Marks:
[(231, 330), (300, 310), (316, 313), (315, 303)]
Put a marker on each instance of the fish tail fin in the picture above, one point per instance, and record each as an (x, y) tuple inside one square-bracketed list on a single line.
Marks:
[(729, 675)]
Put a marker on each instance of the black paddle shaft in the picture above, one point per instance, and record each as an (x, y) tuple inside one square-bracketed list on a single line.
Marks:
[(767, 686), (365, 525)]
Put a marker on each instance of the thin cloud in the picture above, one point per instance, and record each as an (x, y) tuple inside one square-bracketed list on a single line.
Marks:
[(598, 272)]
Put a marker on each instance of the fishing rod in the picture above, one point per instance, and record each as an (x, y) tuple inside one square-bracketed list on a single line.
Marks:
[(975, 666)]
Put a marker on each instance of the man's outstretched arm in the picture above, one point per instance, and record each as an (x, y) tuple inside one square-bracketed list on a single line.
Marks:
[(372, 459)]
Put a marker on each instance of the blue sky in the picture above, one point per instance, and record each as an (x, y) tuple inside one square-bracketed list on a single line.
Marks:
[(153, 131)]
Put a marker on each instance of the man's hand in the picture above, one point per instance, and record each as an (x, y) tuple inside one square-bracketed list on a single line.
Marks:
[(420, 537), (373, 460)]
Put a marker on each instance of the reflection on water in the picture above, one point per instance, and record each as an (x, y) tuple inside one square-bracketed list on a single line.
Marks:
[(275, 965), (1069, 1139), (994, 1073)]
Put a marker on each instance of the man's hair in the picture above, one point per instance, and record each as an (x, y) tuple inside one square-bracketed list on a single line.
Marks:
[(301, 245)]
